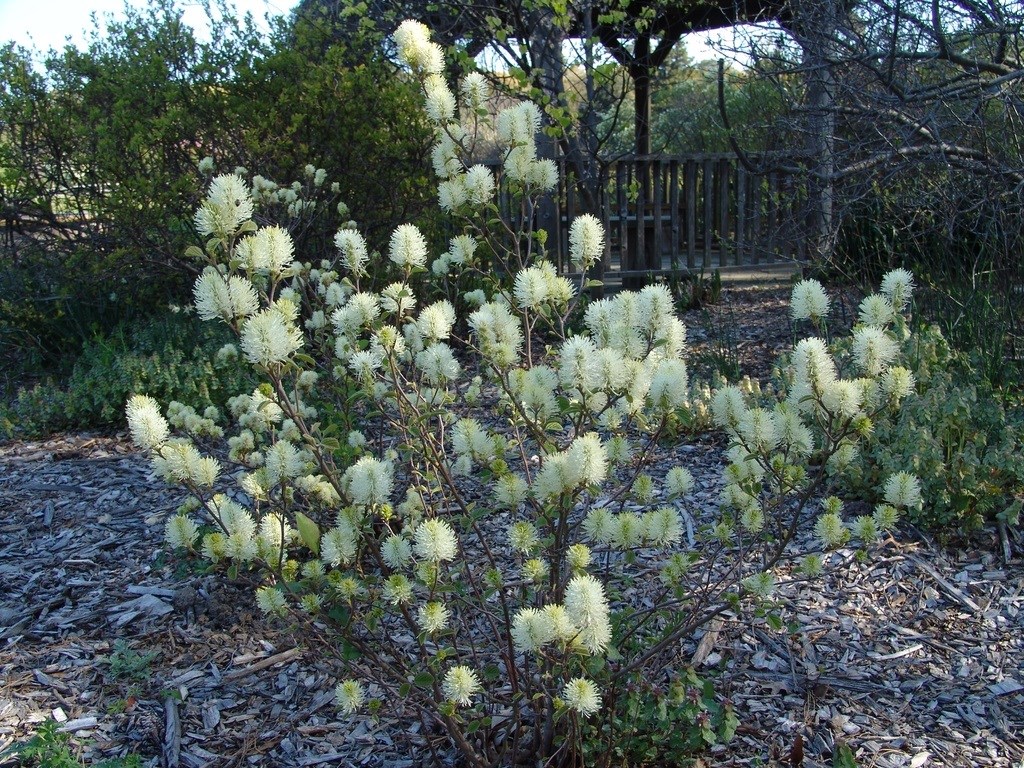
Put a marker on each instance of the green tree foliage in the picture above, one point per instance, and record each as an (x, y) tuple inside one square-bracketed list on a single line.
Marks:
[(99, 148)]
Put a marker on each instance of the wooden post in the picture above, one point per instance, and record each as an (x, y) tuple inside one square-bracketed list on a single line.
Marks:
[(709, 210), (690, 191), (654, 258), (673, 204)]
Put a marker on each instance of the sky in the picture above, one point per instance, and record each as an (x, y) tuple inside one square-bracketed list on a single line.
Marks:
[(49, 23), (43, 24)]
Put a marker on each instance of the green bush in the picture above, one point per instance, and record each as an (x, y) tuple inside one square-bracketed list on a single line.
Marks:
[(955, 435), (173, 354), (99, 152)]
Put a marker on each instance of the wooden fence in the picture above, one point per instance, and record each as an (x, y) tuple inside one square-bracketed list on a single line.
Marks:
[(678, 215)]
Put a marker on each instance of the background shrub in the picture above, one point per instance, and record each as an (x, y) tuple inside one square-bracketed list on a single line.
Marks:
[(174, 354)]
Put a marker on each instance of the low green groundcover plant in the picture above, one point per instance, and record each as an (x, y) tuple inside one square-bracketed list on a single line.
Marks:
[(173, 356), (50, 747), (497, 550), (957, 436)]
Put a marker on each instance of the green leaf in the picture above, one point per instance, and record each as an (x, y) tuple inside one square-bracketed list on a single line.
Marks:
[(195, 252), (424, 680), (309, 532), (843, 757)]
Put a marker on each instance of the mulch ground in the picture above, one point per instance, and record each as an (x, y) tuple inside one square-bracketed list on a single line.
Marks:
[(914, 658)]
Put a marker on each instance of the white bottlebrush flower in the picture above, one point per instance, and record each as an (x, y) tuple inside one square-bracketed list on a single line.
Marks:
[(397, 589), (588, 609), (599, 525), (471, 439), (181, 531), (415, 49), (224, 298), (396, 552), (498, 332), (439, 99), (148, 427), (361, 310), (582, 696), (669, 388), (897, 286), (460, 685), (830, 530), (536, 570), (227, 205), (479, 182), (578, 557), (752, 517), (809, 301), (897, 383), (885, 517), (214, 546), (368, 482), (873, 349), (530, 288), (587, 454), (397, 299), (350, 696), (338, 544), (903, 489), (758, 430), (561, 625), (461, 249), (557, 475), (271, 601), (354, 253), (813, 364), (516, 125), (842, 398), (282, 461), (435, 321), (408, 247), (510, 491), (876, 310), (532, 629), (793, 433), (586, 241), (728, 407), (628, 530), (206, 166), (269, 338), (452, 194), (542, 175), (662, 526), (518, 162), (433, 617), (577, 365), (523, 537), (435, 540), (475, 91), (269, 251), (654, 305), (678, 481), (865, 528), (445, 153), (364, 362), (438, 364)]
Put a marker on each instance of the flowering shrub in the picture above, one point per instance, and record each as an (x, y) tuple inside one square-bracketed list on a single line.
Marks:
[(503, 554)]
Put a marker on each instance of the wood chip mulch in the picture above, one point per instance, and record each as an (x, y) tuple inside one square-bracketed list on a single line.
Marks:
[(912, 658)]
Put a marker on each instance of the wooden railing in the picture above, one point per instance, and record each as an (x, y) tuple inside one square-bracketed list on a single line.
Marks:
[(683, 214)]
